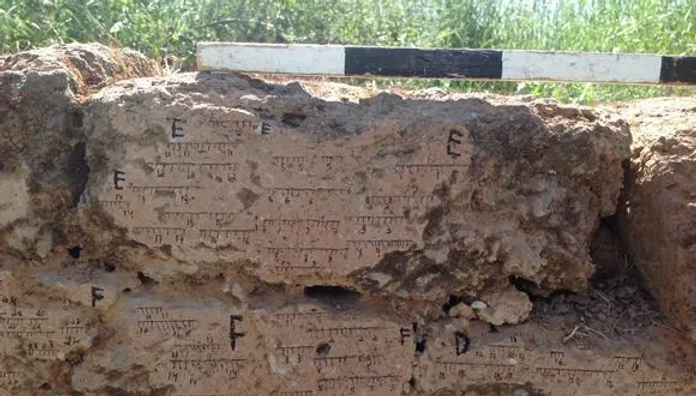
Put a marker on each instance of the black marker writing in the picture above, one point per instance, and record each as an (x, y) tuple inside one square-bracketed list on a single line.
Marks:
[(265, 128), (233, 331), (96, 295), (118, 178), (176, 129), (404, 333), (461, 343), (452, 141)]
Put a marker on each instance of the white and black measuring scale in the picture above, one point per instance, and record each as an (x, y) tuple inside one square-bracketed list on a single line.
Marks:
[(515, 65)]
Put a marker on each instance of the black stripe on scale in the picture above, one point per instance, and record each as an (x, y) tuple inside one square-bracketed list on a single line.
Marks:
[(678, 69), (433, 63)]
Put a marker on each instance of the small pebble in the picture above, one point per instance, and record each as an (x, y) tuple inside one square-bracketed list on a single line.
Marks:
[(479, 305)]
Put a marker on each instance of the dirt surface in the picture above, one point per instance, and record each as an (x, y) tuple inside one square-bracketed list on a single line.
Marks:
[(201, 234), (660, 214)]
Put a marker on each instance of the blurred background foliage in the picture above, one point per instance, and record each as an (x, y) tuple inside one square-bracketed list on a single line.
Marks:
[(169, 29)]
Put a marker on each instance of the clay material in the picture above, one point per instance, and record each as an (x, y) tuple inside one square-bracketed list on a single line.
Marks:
[(393, 197), (660, 217), (201, 234), (42, 146)]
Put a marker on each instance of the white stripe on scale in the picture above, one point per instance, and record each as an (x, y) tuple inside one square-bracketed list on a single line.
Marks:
[(272, 58), (564, 66)]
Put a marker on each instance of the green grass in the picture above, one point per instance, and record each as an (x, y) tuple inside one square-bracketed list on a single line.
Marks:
[(170, 28)]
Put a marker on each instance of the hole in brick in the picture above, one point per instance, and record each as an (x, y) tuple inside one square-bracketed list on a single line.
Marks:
[(109, 267), (523, 285), (608, 252), (420, 345), (45, 386), (77, 119), (331, 294), (75, 252), (145, 280), (323, 349), (293, 119), (75, 358), (77, 172), (453, 300)]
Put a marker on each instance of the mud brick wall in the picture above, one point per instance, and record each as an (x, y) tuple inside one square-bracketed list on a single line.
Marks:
[(202, 234)]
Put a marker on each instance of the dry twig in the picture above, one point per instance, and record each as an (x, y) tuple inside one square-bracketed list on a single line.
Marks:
[(588, 331), (613, 328), (660, 324), (603, 298)]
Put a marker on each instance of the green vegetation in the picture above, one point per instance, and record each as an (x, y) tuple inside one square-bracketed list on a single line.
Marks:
[(170, 28)]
